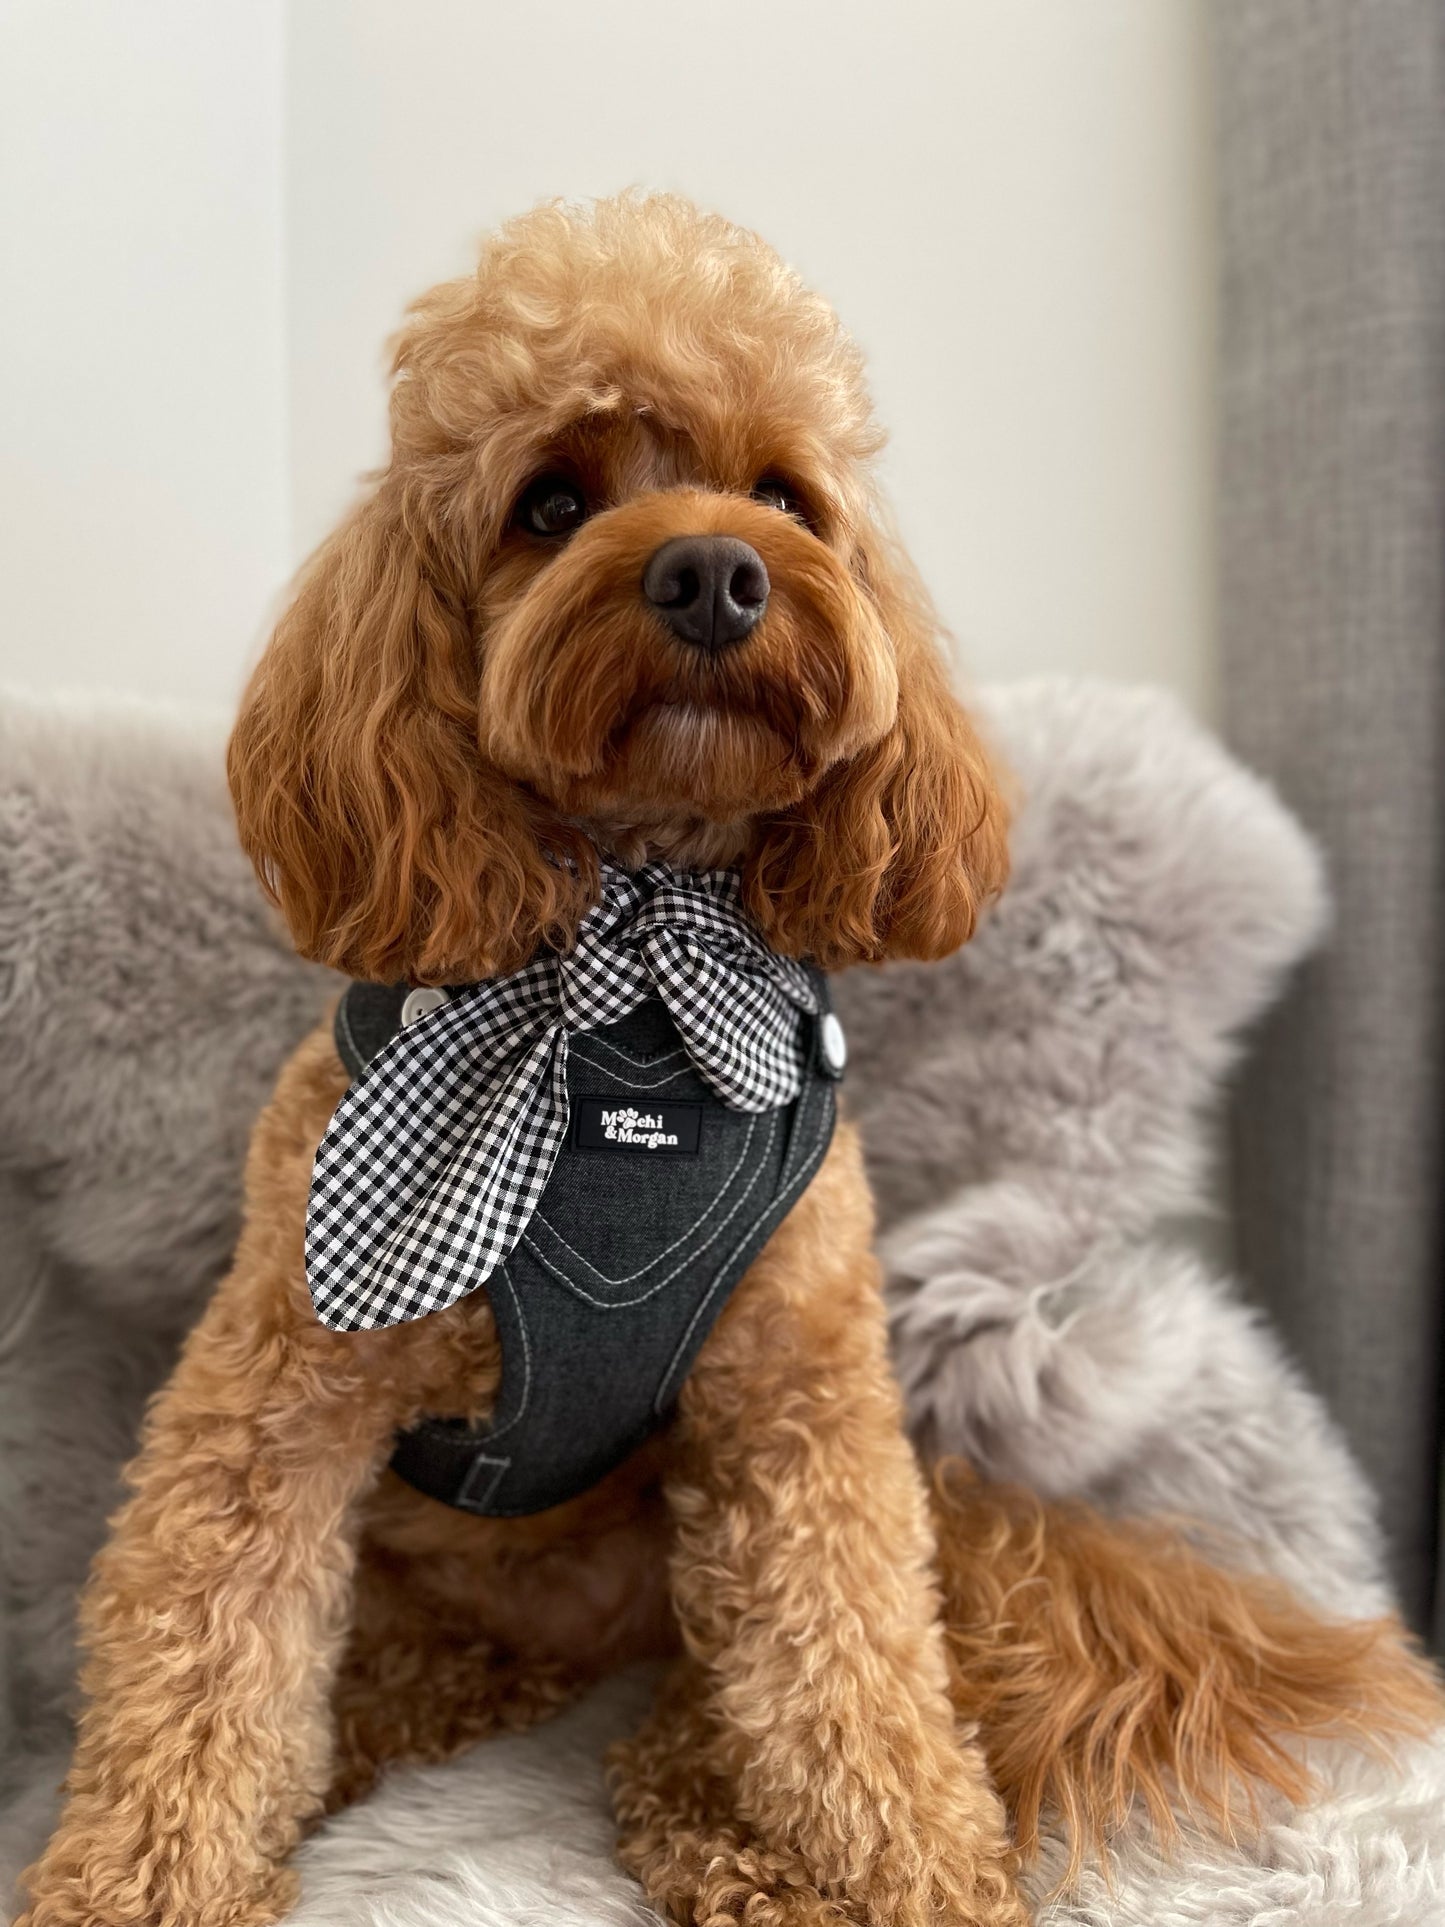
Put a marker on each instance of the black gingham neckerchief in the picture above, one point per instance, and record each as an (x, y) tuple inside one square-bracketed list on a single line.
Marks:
[(437, 1156)]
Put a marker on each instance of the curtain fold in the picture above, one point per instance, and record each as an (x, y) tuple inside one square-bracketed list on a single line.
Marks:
[(1331, 157)]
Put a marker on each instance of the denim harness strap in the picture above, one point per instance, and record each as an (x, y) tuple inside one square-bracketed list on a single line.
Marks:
[(660, 1199)]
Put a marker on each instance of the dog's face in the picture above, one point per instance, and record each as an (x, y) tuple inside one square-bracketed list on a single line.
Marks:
[(674, 632), (621, 586)]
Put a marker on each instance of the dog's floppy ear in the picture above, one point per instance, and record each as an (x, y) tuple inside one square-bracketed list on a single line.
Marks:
[(898, 848), (394, 850)]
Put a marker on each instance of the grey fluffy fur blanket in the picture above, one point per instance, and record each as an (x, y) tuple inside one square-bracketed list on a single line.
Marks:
[(1034, 1111)]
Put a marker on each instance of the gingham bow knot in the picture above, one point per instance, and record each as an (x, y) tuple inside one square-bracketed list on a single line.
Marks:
[(436, 1158)]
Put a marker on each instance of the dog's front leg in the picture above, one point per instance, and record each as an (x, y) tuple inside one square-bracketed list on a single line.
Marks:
[(214, 1615), (803, 1585), (212, 1621)]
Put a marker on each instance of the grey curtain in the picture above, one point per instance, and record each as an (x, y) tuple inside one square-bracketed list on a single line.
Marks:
[(1331, 156)]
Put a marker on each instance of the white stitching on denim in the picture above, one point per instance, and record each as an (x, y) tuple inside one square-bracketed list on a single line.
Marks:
[(624, 1304), (342, 1019), (633, 1083), (806, 1171), (639, 1063), (629, 1277), (501, 1431)]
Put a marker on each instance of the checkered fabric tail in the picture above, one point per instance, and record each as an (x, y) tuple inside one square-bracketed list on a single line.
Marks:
[(436, 1158)]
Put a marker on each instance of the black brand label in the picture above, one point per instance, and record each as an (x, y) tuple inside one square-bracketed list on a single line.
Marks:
[(636, 1124)]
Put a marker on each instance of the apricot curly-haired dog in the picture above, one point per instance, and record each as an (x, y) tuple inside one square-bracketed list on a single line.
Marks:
[(470, 697)]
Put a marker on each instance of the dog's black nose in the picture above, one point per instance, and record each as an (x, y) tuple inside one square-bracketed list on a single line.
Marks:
[(709, 589)]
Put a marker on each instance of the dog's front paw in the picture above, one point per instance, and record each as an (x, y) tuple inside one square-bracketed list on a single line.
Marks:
[(949, 1886), (80, 1896), (977, 1893), (935, 1855), (700, 1876)]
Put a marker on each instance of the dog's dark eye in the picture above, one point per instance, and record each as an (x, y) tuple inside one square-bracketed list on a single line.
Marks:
[(775, 493), (552, 505)]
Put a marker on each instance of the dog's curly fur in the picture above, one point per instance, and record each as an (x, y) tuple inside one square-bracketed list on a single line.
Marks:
[(454, 716)]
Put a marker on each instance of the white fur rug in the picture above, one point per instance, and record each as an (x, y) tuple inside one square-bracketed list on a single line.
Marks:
[(1035, 1113)]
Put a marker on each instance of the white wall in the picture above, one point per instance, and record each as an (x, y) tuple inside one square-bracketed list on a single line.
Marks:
[(143, 510), (1005, 198)]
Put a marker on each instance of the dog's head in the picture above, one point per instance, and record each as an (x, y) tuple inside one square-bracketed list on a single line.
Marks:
[(623, 584)]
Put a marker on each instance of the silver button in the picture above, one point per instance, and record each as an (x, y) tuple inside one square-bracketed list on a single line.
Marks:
[(422, 1002), (834, 1043)]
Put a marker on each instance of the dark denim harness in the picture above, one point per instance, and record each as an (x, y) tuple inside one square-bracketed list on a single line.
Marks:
[(632, 1254)]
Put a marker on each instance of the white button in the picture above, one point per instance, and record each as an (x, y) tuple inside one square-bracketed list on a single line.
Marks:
[(834, 1043), (422, 1002)]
